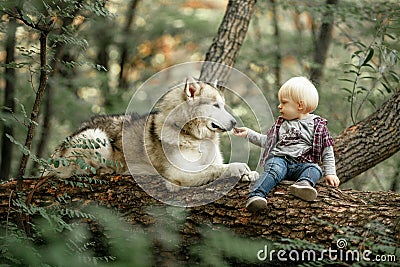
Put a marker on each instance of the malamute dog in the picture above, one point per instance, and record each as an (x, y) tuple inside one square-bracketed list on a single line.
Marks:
[(178, 139)]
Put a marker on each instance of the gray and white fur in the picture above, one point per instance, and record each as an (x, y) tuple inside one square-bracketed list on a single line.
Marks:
[(178, 139)]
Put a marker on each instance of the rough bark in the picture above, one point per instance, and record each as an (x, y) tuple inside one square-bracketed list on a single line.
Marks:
[(369, 142), (319, 221), (226, 45), (9, 103)]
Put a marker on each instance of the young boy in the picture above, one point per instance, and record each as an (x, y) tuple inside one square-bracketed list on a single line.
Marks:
[(294, 146)]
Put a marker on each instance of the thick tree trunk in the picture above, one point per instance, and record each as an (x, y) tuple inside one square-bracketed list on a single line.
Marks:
[(9, 103), (123, 83), (322, 43), (277, 42), (369, 142), (226, 45), (334, 211)]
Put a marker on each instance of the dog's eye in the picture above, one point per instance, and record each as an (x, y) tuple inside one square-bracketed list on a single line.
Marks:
[(217, 105)]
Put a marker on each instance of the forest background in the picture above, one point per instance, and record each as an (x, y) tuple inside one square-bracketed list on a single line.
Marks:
[(98, 58), (89, 57)]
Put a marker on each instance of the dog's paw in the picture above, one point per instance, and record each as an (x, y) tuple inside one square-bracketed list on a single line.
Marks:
[(238, 169), (251, 177), (171, 186)]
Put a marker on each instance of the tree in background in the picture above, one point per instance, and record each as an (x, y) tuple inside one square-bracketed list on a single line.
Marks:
[(132, 8), (224, 49), (43, 18), (322, 42), (59, 71), (230, 36), (9, 103), (337, 208), (372, 140), (44, 28)]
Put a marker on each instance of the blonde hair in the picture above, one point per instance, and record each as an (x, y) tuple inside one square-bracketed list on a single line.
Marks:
[(300, 89)]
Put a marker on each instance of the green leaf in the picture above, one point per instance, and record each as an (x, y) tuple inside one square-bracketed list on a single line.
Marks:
[(346, 80), (347, 90), (93, 169), (26, 18), (388, 90), (351, 71), (102, 142), (368, 58), (356, 53), (56, 163), (350, 64), (395, 76), (368, 77), (362, 89), (390, 36), (373, 103), (81, 163), (370, 66)]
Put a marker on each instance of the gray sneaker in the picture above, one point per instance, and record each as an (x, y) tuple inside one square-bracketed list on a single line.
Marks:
[(256, 203), (303, 190)]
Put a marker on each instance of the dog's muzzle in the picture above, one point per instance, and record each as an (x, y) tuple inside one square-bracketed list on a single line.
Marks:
[(215, 126)]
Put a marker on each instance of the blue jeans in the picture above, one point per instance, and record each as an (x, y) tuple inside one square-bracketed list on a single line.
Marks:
[(277, 169)]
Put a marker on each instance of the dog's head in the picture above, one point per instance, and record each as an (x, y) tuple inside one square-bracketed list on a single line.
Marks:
[(207, 108)]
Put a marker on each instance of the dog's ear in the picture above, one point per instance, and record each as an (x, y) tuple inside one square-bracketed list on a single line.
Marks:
[(218, 86), (215, 84), (191, 87)]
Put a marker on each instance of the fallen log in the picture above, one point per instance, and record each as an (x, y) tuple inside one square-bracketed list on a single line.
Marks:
[(319, 221)]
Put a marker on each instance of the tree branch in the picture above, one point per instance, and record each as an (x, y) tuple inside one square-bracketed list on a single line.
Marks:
[(371, 141), (319, 221), (35, 109)]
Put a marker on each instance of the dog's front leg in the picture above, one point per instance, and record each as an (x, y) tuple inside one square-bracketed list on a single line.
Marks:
[(242, 170), (209, 173), (251, 177), (202, 175)]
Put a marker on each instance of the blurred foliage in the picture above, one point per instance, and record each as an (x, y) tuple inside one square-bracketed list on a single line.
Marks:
[(65, 235)]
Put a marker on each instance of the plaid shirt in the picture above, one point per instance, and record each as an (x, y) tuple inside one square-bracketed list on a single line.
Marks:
[(321, 140)]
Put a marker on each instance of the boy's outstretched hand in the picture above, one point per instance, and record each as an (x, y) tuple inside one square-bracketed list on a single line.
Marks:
[(240, 131), (332, 180)]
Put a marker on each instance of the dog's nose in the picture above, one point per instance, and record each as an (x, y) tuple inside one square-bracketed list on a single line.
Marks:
[(233, 123)]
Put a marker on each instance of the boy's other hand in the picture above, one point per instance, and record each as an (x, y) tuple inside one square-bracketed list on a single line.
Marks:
[(332, 180), (240, 131)]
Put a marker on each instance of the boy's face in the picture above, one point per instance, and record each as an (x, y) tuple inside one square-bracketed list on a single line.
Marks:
[(289, 109)]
